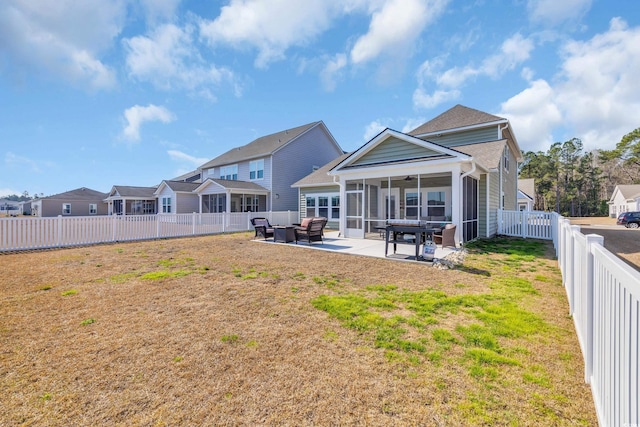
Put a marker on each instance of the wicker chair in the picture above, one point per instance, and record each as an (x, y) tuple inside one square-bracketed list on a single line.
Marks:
[(262, 227), (311, 230), (447, 237)]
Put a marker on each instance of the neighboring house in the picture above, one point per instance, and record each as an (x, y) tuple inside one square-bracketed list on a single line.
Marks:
[(625, 198), (526, 194), (79, 202), (9, 207), (177, 197), (460, 167), (128, 200), (319, 194), (258, 176)]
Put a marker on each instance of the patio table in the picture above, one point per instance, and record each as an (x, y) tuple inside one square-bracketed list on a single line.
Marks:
[(420, 233)]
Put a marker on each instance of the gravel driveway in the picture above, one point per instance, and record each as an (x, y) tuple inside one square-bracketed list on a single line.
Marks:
[(624, 242)]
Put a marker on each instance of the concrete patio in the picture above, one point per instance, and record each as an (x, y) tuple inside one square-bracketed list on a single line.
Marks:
[(371, 247)]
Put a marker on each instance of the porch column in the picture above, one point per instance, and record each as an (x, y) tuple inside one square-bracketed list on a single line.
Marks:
[(228, 201), (456, 200), (343, 207)]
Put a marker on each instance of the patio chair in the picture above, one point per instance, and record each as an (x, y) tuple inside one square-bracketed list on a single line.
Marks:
[(447, 237), (311, 230), (262, 227)]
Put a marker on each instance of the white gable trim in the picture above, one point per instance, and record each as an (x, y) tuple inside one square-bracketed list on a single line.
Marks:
[(464, 128), (457, 156)]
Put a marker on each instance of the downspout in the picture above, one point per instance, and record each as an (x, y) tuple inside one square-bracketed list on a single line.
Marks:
[(501, 201)]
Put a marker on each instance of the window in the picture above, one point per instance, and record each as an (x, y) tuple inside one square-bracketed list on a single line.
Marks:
[(506, 157), (256, 169), (325, 205), (411, 205), (229, 172), (66, 209), (251, 204), (166, 205), (93, 208), (436, 203), (214, 203)]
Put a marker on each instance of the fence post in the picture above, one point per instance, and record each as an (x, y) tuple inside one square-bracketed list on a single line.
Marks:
[(592, 240), (193, 223), (59, 230), (523, 228)]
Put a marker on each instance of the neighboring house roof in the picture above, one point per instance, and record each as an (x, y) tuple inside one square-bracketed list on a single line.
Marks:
[(527, 187), (81, 193), (263, 146), (628, 192), (486, 154), (193, 176), (228, 184), (321, 176), (127, 191), (178, 186), (455, 118)]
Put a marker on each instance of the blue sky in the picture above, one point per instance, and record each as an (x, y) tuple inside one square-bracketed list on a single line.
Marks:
[(96, 93)]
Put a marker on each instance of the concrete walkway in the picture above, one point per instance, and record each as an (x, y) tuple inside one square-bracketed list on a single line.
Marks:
[(363, 247)]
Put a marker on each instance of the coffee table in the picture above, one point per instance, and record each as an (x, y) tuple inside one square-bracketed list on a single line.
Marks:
[(283, 233)]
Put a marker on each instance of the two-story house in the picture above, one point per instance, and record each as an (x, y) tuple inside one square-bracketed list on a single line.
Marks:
[(460, 168), (258, 176)]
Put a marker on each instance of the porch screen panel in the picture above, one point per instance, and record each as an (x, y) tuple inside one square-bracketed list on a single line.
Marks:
[(354, 209), (470, 208)]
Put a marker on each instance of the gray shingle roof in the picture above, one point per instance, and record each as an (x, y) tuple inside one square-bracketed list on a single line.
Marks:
[(527, 186), (630, 191), (129, 191), (456, 117), (486, 154), (81, 193), (236, 185), (320, 176), (260, 147), (182, 186)]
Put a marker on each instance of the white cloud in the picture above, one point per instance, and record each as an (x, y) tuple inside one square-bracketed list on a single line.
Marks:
[(179, 156), (513, 52), (270, 27), (373, 129), (552, 13), (64, 38), (332, 71), (4, 192), (156, 10), (137, 115), (394, 28), (169, 59), (14, 161), (596, 93), (533, 114)]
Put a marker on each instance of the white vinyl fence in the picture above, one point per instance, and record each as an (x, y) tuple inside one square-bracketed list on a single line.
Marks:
[(604, 301), (27, 233)]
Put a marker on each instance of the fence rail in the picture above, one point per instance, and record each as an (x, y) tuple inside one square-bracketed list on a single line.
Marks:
[(17, 234), (526, 224)]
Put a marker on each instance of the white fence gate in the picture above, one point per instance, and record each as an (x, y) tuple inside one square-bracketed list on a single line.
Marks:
[(604, 301), (18, 234)]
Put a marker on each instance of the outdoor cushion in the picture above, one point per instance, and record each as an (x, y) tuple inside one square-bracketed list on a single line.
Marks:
[(305, 222)]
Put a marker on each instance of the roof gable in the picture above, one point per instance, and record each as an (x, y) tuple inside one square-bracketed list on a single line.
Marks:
[(261, 147), (130, 191), (392, 147), (232, 185), (81, 193), (628, 192), (455, 118)]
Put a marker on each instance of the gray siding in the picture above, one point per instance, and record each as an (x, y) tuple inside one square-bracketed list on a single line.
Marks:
[(78, 207), (482, 208), (186, 203), (494, 200), (304, 192), (395, 149), (466, 137), (510, 183), (295, 161)]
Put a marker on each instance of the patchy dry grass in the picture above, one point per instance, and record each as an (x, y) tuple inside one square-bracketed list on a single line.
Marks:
[(220, 330)]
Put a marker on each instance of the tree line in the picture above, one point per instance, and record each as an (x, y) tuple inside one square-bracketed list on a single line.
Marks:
[(573, 182)]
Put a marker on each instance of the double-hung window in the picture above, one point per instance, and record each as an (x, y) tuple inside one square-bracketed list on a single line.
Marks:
[(66, 209), (323, 205), (93, 208), (166, 205), (229, 172), (506, 158), (256, 169)]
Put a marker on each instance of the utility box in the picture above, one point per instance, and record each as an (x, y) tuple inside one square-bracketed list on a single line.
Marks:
[(429, 250)]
